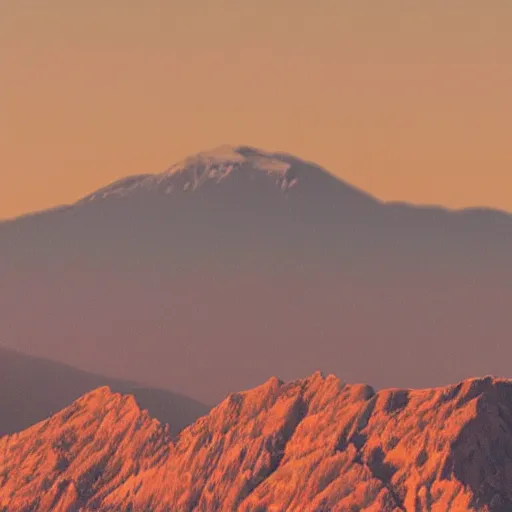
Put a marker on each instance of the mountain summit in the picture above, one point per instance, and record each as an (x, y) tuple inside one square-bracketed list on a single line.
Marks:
[(241, 163)]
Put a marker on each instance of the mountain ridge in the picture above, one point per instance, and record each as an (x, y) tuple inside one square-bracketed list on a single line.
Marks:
[(307, 445)]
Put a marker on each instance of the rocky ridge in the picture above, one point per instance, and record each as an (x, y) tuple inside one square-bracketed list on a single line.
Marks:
[(310, 445)]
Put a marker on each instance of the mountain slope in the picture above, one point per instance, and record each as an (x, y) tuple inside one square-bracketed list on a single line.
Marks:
[(33, 389), (312, 444), (209, 276)]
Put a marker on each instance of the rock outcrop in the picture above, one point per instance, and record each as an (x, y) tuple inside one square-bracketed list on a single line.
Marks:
[(310, 445)]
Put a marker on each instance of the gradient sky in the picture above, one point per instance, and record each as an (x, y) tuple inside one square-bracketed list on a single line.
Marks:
[(407, 100)]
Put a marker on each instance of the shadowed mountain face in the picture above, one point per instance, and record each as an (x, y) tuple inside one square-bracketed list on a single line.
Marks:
[(33, 389), (309, 445), (236, 264)]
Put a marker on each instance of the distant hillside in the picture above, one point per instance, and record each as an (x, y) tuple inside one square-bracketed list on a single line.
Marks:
[(237, 264), (32, 389)]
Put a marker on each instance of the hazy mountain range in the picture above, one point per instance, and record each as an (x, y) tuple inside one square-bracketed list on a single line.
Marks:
[(237, 264), (314, 444), (32, 389)]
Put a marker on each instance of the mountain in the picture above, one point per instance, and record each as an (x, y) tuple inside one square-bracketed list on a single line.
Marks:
[(238, 264), (313, 444), (32, 389)]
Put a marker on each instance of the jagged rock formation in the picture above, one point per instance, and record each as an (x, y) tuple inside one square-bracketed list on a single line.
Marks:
[(309, 445)]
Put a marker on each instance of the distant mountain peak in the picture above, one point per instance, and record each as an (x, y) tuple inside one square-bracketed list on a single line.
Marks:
[(218, 163), (226, 154), (214, 166)]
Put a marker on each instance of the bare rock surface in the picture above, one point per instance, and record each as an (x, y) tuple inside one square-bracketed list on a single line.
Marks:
[(313, 444)]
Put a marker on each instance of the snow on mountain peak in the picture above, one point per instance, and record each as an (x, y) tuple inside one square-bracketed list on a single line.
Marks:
[(224, 159), (207, 166)]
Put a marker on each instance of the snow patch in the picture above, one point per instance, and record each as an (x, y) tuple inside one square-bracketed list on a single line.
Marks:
[(214, 166)]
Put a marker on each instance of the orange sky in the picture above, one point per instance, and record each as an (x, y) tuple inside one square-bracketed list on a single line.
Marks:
[(407, 100)]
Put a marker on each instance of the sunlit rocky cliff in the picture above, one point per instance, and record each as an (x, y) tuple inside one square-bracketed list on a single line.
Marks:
[(313, 444)]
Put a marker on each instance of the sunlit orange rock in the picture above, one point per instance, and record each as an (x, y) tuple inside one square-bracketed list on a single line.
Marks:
[(310, 445)]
